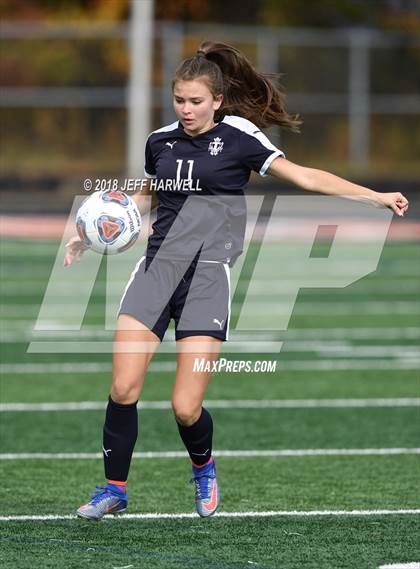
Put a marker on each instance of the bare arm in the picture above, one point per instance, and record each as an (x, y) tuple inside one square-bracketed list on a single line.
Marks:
[(313, 180), (140, 198)]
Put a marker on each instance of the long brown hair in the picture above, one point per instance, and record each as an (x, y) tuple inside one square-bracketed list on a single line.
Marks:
[(246, 92)]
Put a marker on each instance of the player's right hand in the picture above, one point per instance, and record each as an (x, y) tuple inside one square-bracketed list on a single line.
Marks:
[(75, 249)]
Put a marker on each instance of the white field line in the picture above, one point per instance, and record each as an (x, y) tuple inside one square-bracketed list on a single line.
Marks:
[(86, 347), (381, 289), (388, 284), (412, 565), (224, 453), (393, 267), (358, 333), (21, 330), (322, 348), (259, 308), (222, 404), (390, 281), (76, 367), (311, 365), (348, 349), (90, 367), (338, 308), (263, 514), (317, 365)]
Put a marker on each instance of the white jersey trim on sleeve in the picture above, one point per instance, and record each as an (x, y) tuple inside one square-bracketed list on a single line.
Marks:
[(252, 130), (267, 163), (166, 128), (150, 176), (242, 124)]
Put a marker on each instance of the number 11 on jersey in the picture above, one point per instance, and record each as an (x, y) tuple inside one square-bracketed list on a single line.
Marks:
[(178, 170)]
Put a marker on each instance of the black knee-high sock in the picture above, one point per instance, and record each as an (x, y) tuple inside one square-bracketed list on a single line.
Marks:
[(198, 438), (119, 437)]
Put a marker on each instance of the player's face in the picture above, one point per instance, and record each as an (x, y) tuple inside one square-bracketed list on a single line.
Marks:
[(195, 105)]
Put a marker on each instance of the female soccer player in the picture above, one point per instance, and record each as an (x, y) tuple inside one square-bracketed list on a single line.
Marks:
[(221, 102)]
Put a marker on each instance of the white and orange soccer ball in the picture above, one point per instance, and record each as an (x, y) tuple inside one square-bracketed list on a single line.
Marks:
[(108, 222)]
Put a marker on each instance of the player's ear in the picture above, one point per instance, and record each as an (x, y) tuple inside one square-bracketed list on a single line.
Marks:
[(217, 101)]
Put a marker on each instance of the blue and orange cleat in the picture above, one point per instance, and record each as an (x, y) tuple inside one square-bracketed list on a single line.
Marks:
[(207, 497), (109, 499)]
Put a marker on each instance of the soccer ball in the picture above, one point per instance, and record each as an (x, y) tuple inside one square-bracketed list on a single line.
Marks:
[(108, 222)]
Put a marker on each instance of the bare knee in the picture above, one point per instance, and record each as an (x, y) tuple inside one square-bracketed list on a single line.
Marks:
[(186, 414), (125, 391)]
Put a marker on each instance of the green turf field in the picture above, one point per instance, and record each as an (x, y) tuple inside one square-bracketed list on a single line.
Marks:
[(333, 479)]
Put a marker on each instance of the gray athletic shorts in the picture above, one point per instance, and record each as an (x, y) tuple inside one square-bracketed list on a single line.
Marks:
[(196, 295)]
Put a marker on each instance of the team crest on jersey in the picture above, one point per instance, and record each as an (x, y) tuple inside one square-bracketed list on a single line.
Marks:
[(216, 146)]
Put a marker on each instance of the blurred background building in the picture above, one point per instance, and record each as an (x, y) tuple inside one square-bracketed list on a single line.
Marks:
[(350, 69)]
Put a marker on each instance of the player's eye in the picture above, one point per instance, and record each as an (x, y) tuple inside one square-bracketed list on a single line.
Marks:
[(180, 101)]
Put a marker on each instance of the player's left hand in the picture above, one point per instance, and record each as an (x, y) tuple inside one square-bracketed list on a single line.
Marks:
[(74, 250), (395, 201)]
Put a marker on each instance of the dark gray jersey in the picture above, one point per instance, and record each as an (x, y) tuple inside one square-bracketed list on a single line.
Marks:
[(200, 182)]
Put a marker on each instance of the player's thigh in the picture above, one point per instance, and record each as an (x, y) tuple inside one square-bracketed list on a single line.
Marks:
[(195, 357), (134, 346), (203, 302)]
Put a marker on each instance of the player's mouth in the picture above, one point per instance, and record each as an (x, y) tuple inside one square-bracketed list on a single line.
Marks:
[(188, 121)]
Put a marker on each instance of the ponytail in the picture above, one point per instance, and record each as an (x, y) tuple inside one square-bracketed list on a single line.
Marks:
[(246, 92)]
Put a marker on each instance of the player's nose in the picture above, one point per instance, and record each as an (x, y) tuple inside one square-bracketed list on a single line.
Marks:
[(186, 109)]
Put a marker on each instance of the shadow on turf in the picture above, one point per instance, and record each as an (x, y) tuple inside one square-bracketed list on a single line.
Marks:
[(183, 561)]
